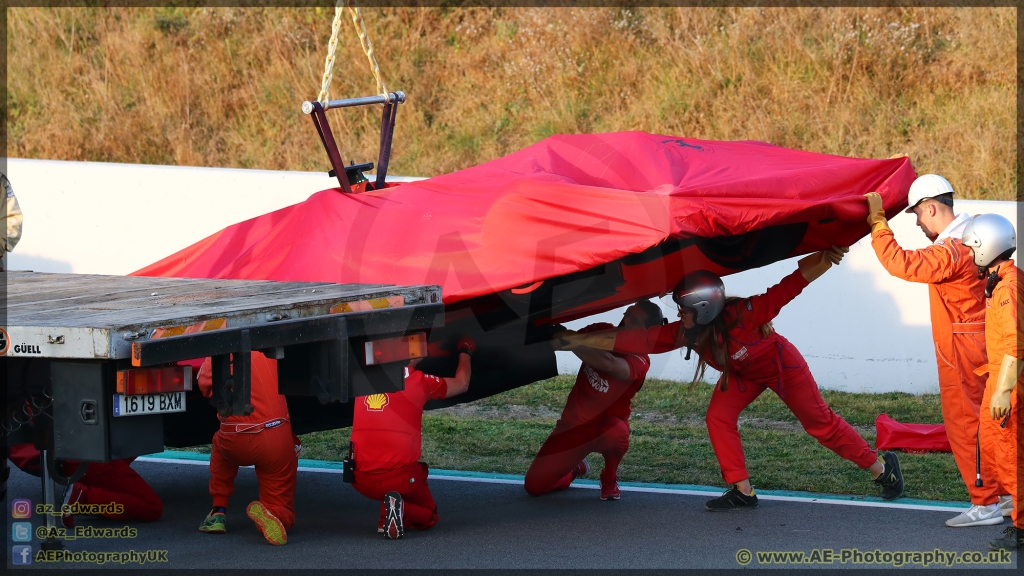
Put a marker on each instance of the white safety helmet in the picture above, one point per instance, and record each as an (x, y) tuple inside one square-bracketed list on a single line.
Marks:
[(927, 186), (702, 292), (991, 236)]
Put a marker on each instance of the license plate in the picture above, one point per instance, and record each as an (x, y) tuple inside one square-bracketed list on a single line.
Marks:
[(149, 404)]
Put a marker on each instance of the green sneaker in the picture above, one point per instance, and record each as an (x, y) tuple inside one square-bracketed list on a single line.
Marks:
[(269, 525), (215, 523)]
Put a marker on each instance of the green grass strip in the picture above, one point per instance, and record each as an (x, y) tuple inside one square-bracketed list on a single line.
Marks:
[(711, 490), (669, 444)]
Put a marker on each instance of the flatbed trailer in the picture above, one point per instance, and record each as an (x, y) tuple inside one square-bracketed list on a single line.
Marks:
[(77, 350)]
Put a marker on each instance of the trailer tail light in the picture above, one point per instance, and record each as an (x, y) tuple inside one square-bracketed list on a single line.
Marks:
[(154, 380), (396, 349)]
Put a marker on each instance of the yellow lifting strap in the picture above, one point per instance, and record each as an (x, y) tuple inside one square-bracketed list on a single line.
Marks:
[(332, 45)]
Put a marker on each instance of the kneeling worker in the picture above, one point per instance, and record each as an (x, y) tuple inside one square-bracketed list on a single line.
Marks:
[(387, 442), (102, 483), (993, 240), (113, 482), (596, 414), (262, 439)]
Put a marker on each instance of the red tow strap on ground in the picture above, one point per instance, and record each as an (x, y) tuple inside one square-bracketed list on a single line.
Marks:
[(893, 435)]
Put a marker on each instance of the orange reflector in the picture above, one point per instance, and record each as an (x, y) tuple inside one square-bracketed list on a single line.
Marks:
[(204, 326), (154, 380), (396, 349), (366, 305)]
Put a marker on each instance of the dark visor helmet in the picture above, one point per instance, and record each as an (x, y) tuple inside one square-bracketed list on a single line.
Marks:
[(702, 292)]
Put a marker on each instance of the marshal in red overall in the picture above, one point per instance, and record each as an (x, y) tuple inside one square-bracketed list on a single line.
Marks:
[(596, 414), (387, 441), (735, 337)]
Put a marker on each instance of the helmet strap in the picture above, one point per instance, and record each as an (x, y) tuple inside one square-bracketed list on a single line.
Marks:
[(691, 336), (993, 279)]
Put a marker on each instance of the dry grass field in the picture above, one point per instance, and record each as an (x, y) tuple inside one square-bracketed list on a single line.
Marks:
[(222, 86)]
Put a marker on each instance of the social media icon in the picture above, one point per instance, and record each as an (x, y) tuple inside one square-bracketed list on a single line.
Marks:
[(21, 531), (22, 555), (21, 508)]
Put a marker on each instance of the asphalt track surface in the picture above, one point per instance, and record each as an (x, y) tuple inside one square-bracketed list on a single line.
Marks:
[(495, 524)]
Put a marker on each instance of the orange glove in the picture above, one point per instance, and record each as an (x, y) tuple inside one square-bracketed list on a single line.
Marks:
[(876, 212), (1009, 373), (814, 265), (599, 340), (835, 254)]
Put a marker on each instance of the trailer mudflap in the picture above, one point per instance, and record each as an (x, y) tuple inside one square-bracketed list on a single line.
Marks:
[(84, 428)]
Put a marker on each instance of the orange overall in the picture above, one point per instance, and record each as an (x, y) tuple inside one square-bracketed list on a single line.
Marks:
[(262, 439), (956, 297), (1004, 335)]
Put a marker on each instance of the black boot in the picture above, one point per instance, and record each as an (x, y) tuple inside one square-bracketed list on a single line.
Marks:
[(1011, 540), (733, 499), (891, 479)]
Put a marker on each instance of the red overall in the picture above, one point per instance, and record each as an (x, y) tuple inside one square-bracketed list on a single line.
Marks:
[(595, 419), (262, 439), (387, 440), (113, 482), (757, 363), (956, 298), (1004, 335)]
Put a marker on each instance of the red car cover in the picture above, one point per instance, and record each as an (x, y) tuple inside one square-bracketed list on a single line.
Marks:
[(569, 227), (893, 435), (566, 204)]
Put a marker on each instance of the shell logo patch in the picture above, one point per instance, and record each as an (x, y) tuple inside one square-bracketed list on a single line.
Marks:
[(376, 402)]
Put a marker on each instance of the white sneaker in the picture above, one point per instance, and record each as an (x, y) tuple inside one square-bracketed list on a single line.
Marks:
[(1006, 505), (978, 515)]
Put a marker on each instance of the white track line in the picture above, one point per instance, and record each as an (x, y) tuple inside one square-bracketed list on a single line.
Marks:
[(677, 491)]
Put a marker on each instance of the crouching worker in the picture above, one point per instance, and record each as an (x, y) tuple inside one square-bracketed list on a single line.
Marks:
[(596, 414), (264, 440), (113, 482), (387, 441), (993, 240)]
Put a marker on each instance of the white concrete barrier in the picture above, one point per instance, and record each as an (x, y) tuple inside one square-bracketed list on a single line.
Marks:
[(859, 328)]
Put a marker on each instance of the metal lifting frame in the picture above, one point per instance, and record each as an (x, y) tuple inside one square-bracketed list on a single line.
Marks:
[(318, 113)]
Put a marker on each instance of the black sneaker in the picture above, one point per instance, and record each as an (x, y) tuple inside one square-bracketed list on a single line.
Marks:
[(891, 479), (1011, 540), (393, 528), (733, 499)]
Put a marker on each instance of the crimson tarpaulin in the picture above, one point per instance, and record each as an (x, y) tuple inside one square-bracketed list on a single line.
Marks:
[(893, 435), (565, 204)]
